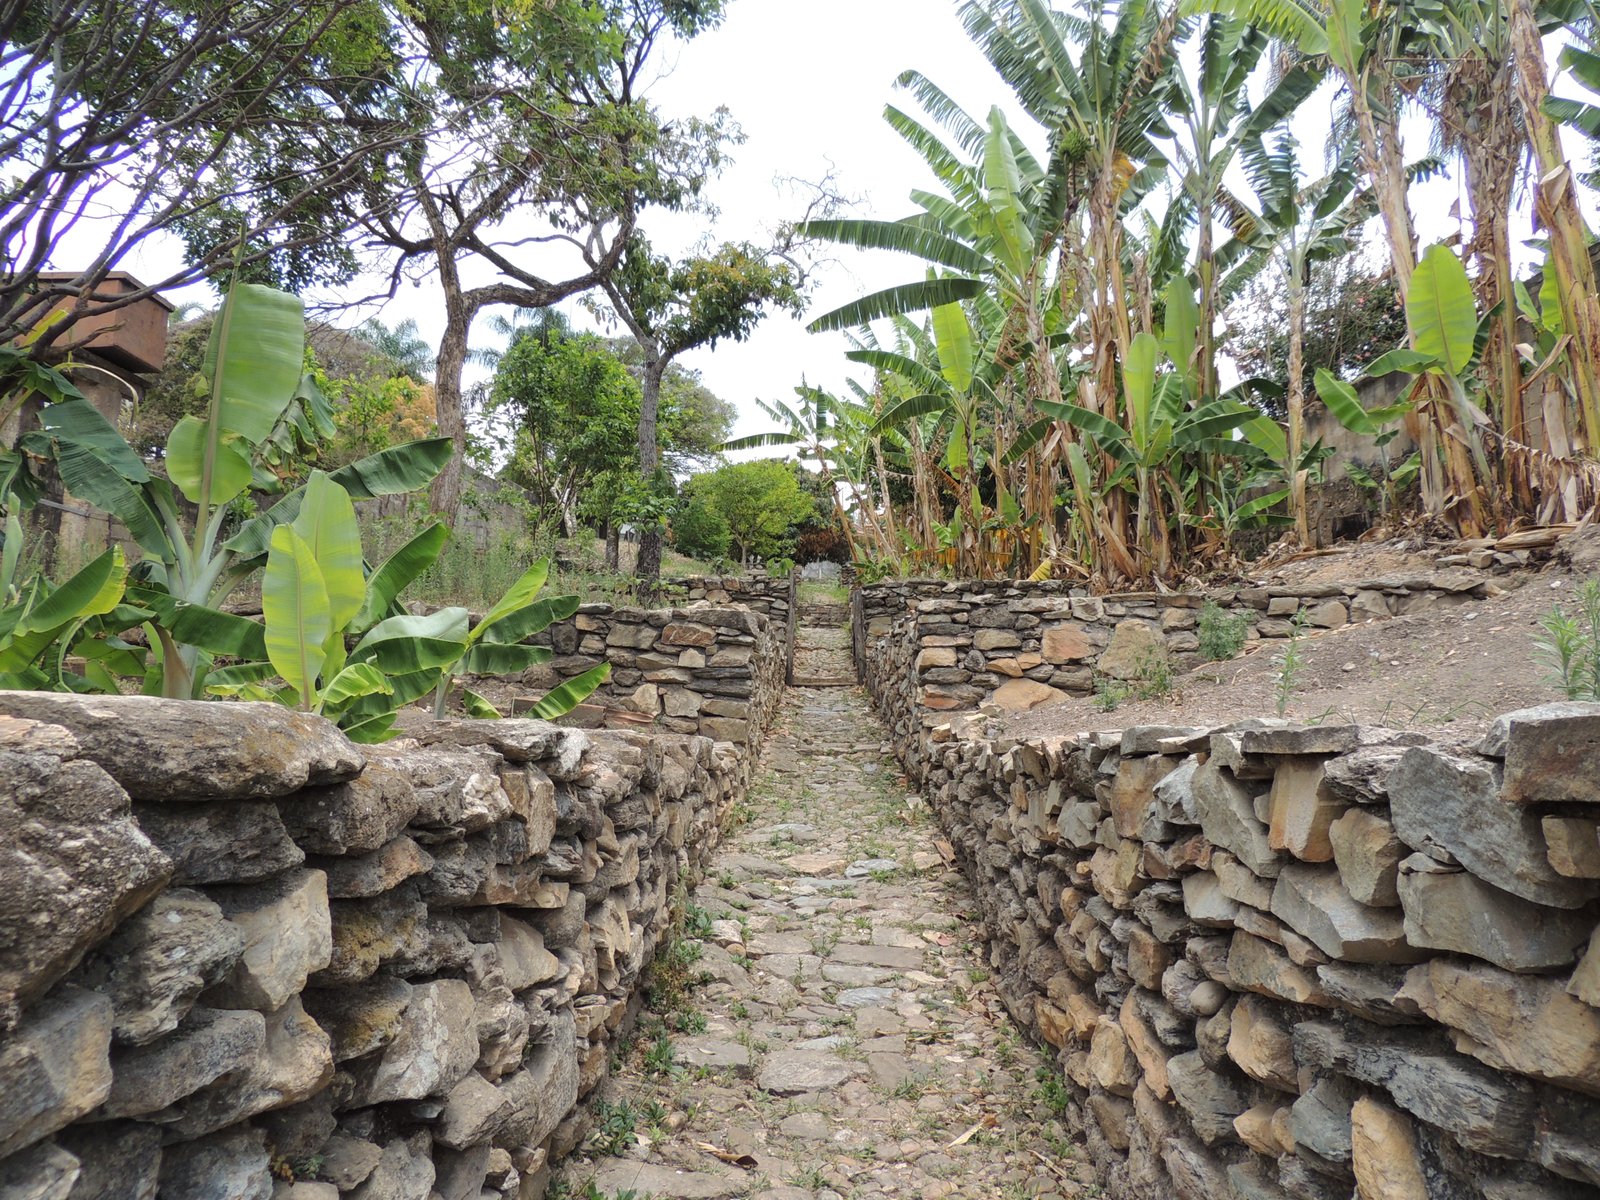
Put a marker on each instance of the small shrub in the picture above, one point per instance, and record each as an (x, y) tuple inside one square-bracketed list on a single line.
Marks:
[(661, 1058), (1154, 681), (1110, 693), (614, 1126), (1222, 633), (1570, 646)]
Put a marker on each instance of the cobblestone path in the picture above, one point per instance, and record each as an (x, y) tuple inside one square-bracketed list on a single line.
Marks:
[(825, 1028)]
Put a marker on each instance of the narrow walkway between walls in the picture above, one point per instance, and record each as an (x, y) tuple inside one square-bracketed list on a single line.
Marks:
[(825, 1028)]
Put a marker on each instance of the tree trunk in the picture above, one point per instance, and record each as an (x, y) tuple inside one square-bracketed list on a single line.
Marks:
[(613, 544), (1455, 477), (1481, 106), (1556, 201), (450, 414), (648, 569), (1297, 404), (1205, 348)]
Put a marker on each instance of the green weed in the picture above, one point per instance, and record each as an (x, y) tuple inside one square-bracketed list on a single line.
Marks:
[(1570, 647), (1222, 633), (1291, 663)]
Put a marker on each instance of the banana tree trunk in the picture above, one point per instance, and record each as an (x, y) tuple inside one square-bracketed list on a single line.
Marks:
[(1297, 404), (1493, 146), (1205, 347), (1555, 197), (1450, 483)]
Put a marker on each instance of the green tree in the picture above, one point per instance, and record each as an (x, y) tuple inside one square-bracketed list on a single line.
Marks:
[(699, 530), (694, 420), (761, 502), (671, 307), (549, 122), (573, 412)]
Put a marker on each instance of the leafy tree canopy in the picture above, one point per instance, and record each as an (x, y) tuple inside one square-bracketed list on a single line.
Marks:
[(761, 502)]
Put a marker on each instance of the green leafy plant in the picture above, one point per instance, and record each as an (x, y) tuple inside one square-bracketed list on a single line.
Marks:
[(614, 1128), (1222, 633), (256, 390), (1291, 663), (661, 1058), (316, 598), (448, 644), (42, 625), (1110, 694), (1570, 646)]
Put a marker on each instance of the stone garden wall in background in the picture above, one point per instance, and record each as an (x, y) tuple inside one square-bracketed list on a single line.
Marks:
[(715, 669), (1274, 960), (235, 947), (1023, 644)]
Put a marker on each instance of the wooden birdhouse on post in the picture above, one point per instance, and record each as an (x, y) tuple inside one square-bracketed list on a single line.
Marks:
[(109, 354)]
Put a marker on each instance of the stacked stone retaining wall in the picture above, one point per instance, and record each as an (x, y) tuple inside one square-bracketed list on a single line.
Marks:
[(713, 669), (1028, 643), (238, 953), (1279, 960)]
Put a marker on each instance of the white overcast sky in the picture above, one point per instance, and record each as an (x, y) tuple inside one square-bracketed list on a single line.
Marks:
[(808, 83)]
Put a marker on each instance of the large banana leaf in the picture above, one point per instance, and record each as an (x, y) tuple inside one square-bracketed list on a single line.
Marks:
[(561, 700), (80, 422), (1109, 437), (908, 297), (403, 468), (496, 658), (902, 236), (327, 522), (1269, 437), (917, 374), (409, 644), (910, 409), (399, 570), (531, 619), (1181, 328), (84, 444), (11, 551), (517, 597), (952, 333), (1440, 309), (294, 601), (399, 469), (1300, 22), (254, 360), (187, 447), (1138, 388), (352, 683), (217, 632), (477, 707), (1004, 183), (94, 590)]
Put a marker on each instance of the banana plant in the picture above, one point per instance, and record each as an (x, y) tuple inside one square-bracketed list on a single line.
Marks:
[(443, 645), (1168, 431), (41, 625), (253, 373), (1446, 340)]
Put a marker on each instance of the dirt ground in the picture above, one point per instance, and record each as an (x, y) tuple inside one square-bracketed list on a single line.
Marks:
[(1454, 667)]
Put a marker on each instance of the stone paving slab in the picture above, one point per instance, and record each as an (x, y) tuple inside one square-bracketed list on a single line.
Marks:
[(846, 1039)]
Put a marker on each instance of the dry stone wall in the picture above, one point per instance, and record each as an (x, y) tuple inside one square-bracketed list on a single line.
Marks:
[(242, 958), (1023, 644), (716, 669), (1290, 961)]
